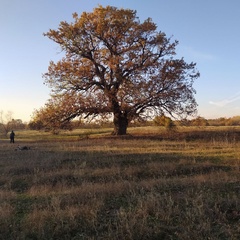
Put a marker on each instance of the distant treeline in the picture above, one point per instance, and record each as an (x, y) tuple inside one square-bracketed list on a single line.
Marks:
[(200, 121), (157, 121)]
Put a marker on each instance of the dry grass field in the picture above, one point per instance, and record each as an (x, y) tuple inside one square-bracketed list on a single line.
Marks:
[(151, 184)]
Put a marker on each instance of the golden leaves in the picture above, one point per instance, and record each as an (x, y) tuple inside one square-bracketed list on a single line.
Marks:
[(111, 55)]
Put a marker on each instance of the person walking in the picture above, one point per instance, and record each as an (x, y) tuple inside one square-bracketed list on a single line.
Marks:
[(12, 135)]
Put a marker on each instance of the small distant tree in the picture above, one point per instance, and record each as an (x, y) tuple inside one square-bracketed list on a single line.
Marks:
[(233, 121), (164, 121), (6, 122), (116, 67), (221, 121), (17, 124), (199, 121)]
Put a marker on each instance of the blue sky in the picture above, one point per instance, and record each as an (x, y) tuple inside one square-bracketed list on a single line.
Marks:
[(207, 30)]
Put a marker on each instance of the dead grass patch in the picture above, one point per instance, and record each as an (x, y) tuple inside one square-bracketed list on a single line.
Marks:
[(181, 185)]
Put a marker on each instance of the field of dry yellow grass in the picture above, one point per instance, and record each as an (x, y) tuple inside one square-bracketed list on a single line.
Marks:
[(151, 184)]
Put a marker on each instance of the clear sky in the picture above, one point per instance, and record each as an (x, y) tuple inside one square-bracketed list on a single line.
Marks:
[(207, 30)]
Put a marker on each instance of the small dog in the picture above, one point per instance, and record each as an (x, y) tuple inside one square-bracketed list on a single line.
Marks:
[(22, 148)]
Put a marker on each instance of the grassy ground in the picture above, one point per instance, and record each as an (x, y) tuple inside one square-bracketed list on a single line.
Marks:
[(148, 185)]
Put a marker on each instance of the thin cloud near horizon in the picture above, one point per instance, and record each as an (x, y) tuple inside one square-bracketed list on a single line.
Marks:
[(226, 101)]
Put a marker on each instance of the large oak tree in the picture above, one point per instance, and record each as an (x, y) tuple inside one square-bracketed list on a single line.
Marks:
[(116, 66)]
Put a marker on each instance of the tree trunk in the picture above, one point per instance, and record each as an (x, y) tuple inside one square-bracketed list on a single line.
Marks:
[(120, 124)]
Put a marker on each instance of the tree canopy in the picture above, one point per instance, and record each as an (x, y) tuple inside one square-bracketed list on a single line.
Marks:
[(116, 66)]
